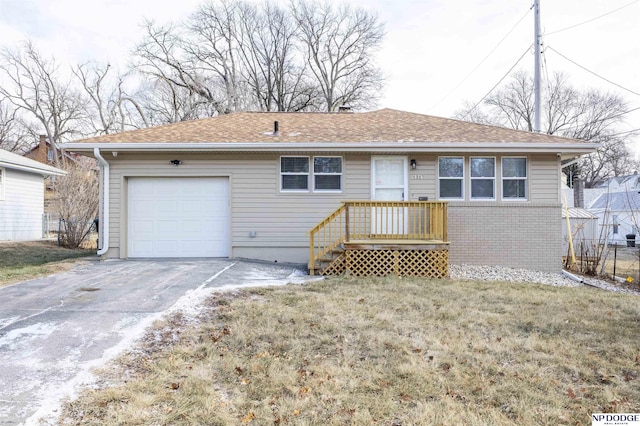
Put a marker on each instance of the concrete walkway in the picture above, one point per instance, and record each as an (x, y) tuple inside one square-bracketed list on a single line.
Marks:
[(54, 330)]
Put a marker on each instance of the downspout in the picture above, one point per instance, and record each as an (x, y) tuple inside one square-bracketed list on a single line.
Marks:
[(104, 202)]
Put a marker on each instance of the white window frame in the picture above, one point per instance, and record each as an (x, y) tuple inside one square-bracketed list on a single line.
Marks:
[(471, 179), (525, 179), (462, 178), (313, 171), (3, 179), (308, 174)]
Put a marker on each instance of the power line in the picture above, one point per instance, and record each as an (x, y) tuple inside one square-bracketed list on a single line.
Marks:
[(483, 60), (625, 133), (592, 19), (591, 72), (496, 85)]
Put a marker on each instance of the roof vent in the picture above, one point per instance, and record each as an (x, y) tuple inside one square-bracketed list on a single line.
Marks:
[(345, 108), (275, 128)]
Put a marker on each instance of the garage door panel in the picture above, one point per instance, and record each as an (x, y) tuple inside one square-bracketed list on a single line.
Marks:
[(178, 217)]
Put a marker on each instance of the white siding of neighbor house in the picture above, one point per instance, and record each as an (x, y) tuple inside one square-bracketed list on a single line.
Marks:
[(22, 206), (281, 220)]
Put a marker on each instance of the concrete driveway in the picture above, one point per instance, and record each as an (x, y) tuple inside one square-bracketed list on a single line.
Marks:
[(54, 330)]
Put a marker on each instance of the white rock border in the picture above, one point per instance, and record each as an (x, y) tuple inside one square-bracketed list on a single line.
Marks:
[(501, 273)]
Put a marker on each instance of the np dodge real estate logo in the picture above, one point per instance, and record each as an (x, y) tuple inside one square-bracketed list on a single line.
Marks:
[(608, 419)]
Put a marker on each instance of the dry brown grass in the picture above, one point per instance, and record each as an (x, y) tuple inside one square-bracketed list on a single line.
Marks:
[(382, 351), (21, 261)]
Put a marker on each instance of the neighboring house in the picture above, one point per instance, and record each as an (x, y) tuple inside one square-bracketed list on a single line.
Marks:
[(22, 196), (617, 206), (254, 184), (619, 213), (44, 153)]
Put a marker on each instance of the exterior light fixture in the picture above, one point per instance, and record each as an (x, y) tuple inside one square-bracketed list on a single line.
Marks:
[(175, 162), (414, 164)]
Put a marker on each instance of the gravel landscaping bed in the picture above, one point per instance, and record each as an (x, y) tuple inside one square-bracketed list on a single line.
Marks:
[(499, 273)]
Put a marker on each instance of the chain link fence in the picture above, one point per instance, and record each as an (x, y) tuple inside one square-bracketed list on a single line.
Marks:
[(619, 263)]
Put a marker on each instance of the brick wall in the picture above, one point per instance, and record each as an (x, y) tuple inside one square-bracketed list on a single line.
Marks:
[(527, 235)]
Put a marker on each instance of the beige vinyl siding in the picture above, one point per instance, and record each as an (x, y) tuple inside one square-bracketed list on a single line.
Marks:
[(544, 178), (424, 179), (22, 207), (278, 219)]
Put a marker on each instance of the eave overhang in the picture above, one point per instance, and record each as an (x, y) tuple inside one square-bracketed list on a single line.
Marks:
[(371, 147)]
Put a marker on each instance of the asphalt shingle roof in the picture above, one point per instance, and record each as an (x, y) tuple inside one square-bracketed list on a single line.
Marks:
[(384, 125), (618, 201)]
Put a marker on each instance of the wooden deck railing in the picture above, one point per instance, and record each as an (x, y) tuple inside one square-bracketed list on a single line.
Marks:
[(377, 220)]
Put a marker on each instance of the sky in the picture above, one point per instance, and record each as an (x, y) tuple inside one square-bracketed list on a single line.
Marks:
[(436, 56)]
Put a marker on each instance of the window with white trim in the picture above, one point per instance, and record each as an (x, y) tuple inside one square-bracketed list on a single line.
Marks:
[(451, 178), (327, 173), (483, 178), (514, 178), (294, 173)]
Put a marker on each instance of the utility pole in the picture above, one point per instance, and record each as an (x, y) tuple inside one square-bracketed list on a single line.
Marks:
[(536, 73)]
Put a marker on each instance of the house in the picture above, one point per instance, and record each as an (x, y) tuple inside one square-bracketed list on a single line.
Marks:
[(44, 153), (616, 203), (261, 185), (22, 196), (619, 214)]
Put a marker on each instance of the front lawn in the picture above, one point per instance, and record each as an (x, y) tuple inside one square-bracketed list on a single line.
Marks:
[(381, 351), (25, 260)]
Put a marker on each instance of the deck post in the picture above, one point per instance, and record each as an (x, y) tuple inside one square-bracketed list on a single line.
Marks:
[(346, 222)]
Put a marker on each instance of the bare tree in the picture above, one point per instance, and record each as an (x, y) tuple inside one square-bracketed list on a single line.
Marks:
[(76, 202), (15, 135), (272, 68), (109, 106), (589, 115), (340, 42), (35, 89), (161, 55), (233, 55)]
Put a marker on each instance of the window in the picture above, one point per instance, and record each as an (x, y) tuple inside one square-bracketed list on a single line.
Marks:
[(327, 173), (616, 224), (50, 155), (514, 178), (2, 178), (450, 178), (294, 173), (483, 178)]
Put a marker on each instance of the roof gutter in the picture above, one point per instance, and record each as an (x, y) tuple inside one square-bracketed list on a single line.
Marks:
[(409, 146), (104, 202)]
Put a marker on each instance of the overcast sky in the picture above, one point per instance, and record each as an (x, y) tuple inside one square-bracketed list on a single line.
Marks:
[(430, 52)]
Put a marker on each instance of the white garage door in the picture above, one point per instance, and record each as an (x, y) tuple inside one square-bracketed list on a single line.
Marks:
[(178, 217)]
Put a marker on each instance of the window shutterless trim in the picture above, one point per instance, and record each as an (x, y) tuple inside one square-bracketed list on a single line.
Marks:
[(472, 178), (313, 171), (461, 178), (524, 178), (307, 174)]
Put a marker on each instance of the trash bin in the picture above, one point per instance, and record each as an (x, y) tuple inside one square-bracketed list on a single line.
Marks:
[(631, 240)]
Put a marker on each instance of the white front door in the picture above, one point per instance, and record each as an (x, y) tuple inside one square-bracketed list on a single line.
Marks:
[(389, 182)]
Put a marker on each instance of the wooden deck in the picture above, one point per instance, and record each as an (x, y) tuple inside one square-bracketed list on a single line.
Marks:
[(369, 238)]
